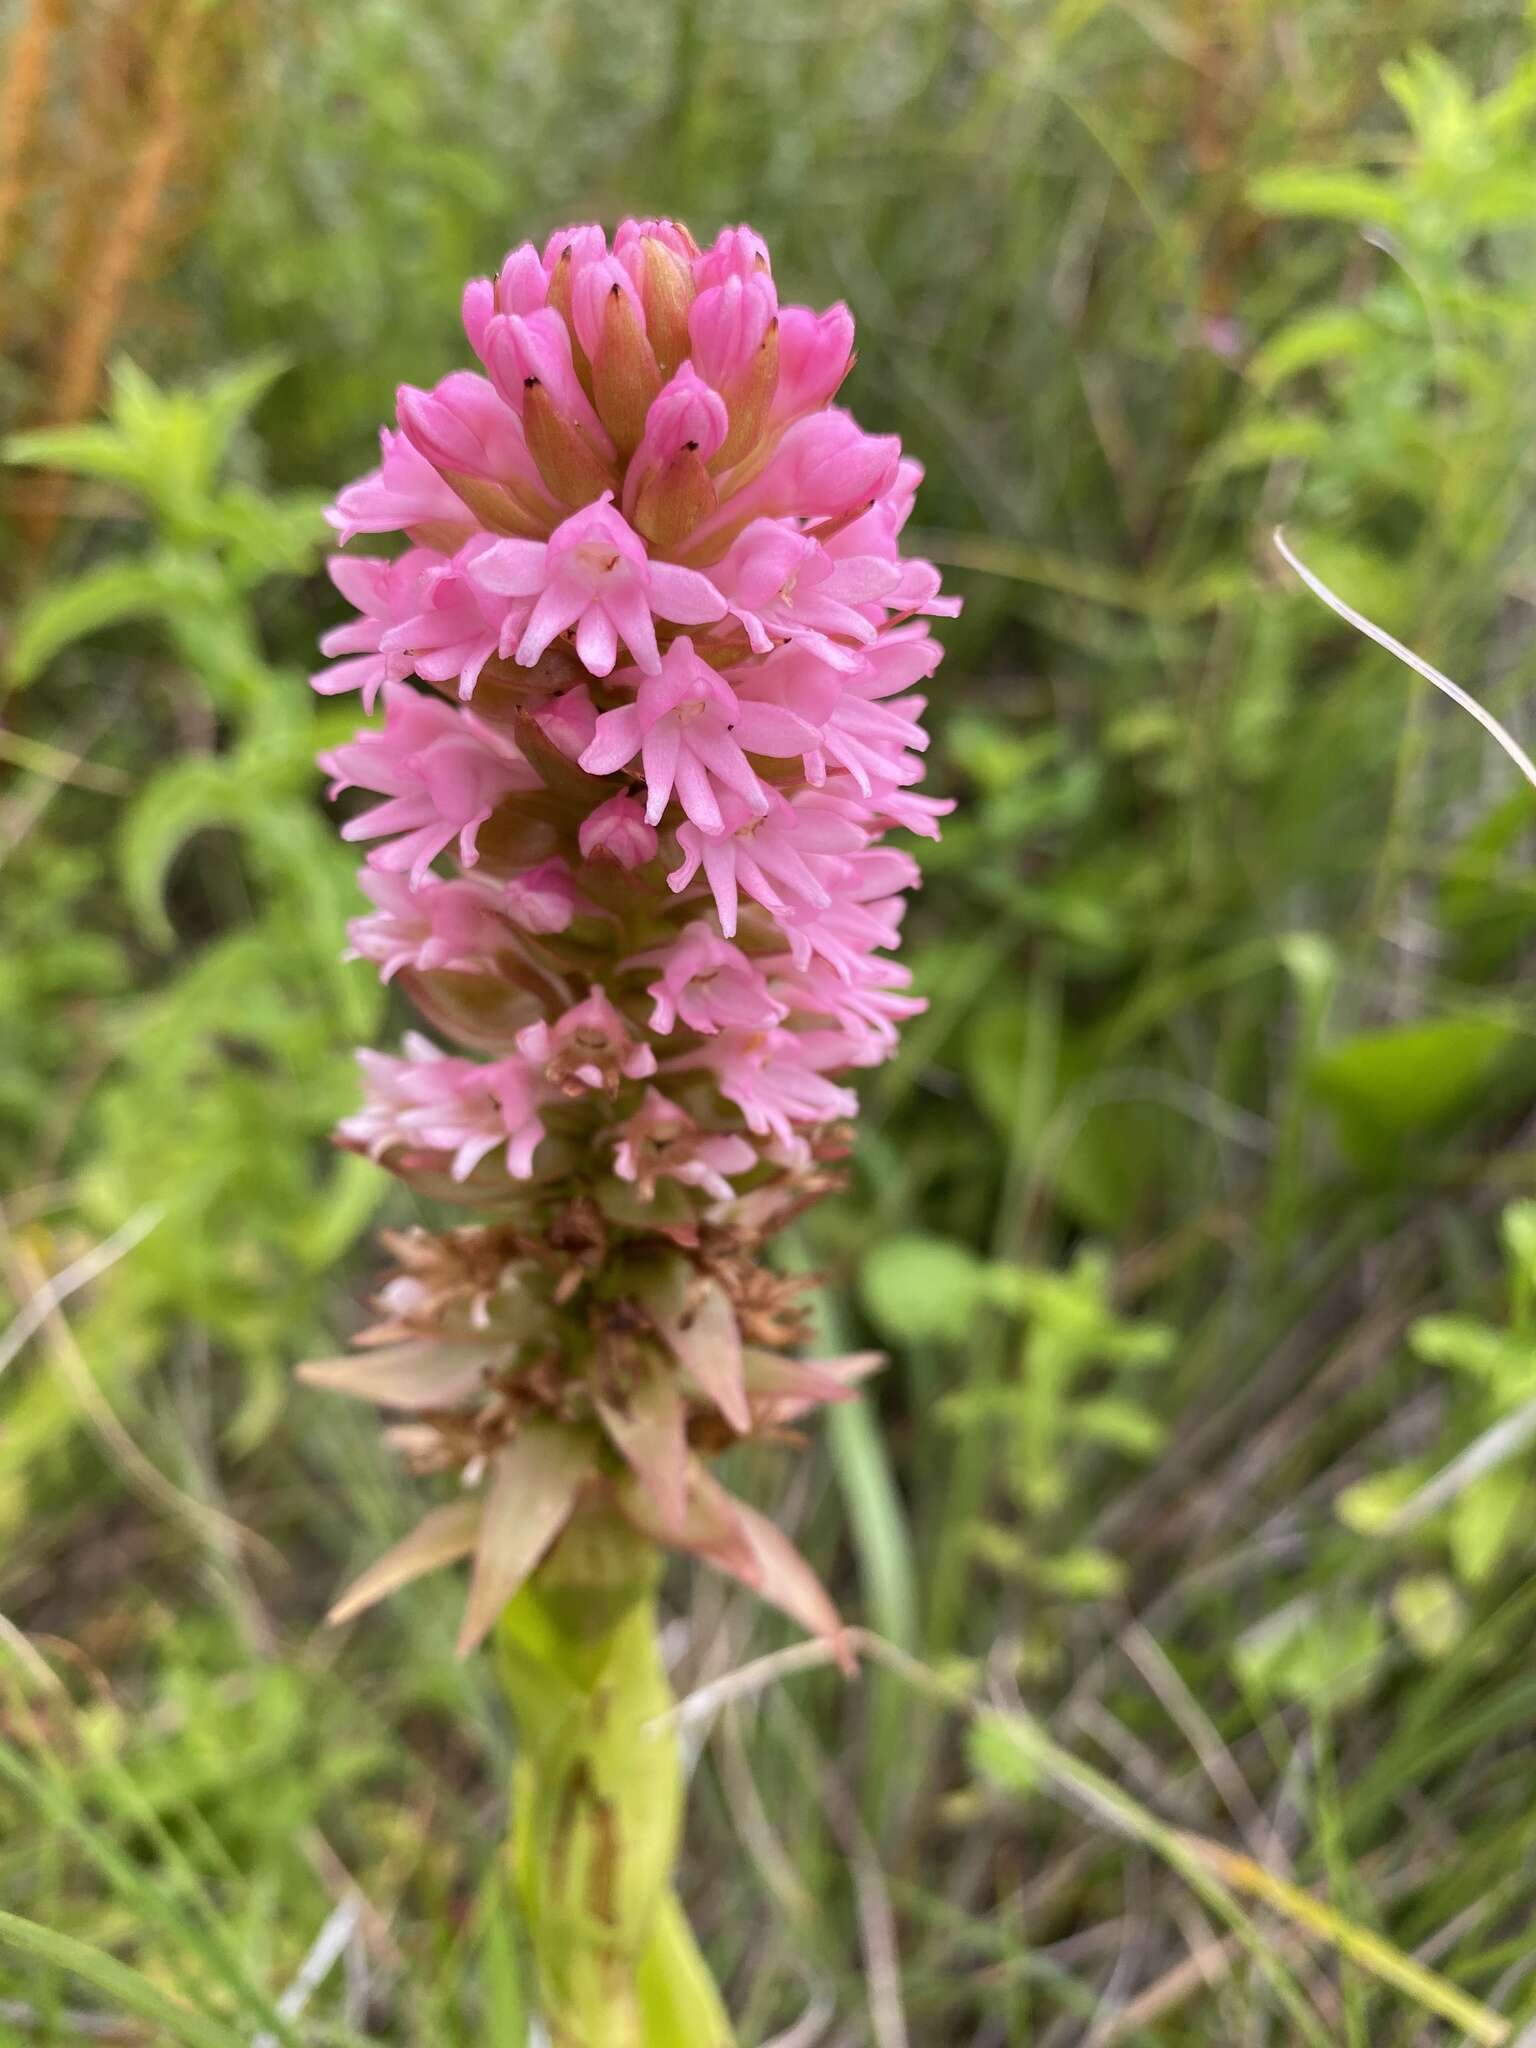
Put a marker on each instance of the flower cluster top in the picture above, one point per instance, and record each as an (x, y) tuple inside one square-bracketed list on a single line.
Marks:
[(628, 855)]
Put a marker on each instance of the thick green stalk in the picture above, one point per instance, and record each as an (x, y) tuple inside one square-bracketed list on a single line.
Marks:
[(597, 1801)]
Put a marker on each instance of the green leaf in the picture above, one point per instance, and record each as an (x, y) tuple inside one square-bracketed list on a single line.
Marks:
[(996, 1753), (182, 800), (82, 451), (125, 1987), (1324, 1656), (1484, 1521), (1370, 1507), (1506, 1364), (1431, 1614), (1320, 337), (1123, 1425), (922, 1289), (1329, 195), (1385, 1087), (66, 612)]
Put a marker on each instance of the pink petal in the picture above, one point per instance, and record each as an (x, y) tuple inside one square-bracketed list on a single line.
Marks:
[(683, 595)]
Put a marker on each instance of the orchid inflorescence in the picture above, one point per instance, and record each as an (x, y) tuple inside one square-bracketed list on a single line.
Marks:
[(673, 651)]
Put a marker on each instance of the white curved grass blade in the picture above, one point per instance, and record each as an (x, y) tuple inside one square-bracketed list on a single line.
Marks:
[(1454, 691)]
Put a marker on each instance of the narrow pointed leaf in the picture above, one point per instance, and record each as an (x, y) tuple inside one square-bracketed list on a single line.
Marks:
[(441, 1537), (650, 1430), (736, 1539), (695, 1317), (428, 1375), (783, 1388), (528, 1500)]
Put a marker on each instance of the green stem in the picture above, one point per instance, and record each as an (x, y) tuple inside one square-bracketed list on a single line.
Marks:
[(597, 1801)]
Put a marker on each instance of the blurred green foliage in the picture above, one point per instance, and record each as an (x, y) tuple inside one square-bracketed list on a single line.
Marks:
[(1195, 1213)]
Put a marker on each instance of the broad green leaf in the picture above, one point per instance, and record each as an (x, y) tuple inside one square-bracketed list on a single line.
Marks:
[(1385, 1087), (922, 1289)]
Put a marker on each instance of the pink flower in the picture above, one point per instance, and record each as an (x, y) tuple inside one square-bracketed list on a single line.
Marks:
[(522, 286), (735, 252), (449, 926), (458, 627), (651, 506), (776, 1078), (685, 416), (385, 593), (542, 899), (593, 574), (526, 350), (825, 467), (862, 994), (691, 730), (443, 773), (432, 1102), (617, 830), (405, 493), (569, 721), (863, 910), (708, 984), (662, 1142), (773, 857), (815, 355), (591, 1046), (783, 585), (462, 425), (870, 729), (728, 324)]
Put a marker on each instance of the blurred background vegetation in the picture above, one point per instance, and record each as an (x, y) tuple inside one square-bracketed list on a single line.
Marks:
[(1198, 1215)]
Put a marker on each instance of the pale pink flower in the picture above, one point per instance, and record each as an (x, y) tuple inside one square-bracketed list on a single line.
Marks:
[(568, 721), (783, 585), (662, 1142), (435, 1103), (776, 1078), (773, 857), (385, 593), (708, 985), (871, 732), (593, 574), (544, 899), (590, 1046), (442, 771), (618, 831), (692, 732), (463, 424), (459, 626), (404, 494), (449, 926)]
